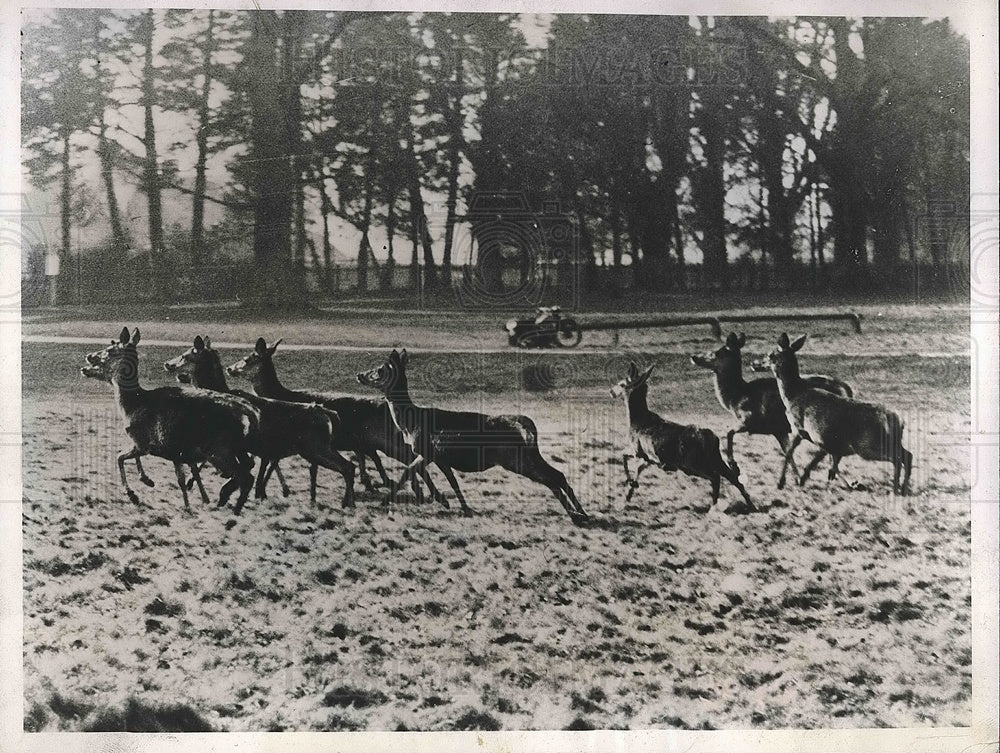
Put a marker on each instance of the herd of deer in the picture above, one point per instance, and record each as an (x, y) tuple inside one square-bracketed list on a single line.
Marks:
[(204, 421)]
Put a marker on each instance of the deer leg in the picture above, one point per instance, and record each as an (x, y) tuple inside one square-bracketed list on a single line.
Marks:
[(788, 460), (816, 459), (366, 480), (377, 462), (628, 476), (537, 469), (450, 475), (335, 462), (568, 491), (907, 458), (276, 470), (196, 477), (244, 477), (135, 452), (227, 490), (408, 471), (142, 473), (239, 472), (634, 483), (834, 467), (179, 470), (733, 478), (260, 487), (435, 492), (193, 467)]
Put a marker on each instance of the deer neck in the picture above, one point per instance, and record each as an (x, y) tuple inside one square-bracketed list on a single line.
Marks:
[(788, 378), (265, 382), (128, 393), (636, 407), (209, 375), (729, 384), (401, 406)]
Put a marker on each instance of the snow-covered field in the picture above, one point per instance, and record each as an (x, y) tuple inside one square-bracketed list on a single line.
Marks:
[(834, 606)]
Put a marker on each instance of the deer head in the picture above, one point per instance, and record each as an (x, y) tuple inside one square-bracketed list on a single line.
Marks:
[(249, 366), (726, 357), (388, 376), (634, 379)]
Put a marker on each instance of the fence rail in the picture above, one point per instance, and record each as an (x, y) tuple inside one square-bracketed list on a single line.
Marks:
[(83, 283)]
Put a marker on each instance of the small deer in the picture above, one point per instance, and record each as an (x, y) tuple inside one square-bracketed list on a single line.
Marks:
[(100, 372), (838, 425), (756, 405), (186, 426), (366, 428), (285, 428), (465, 441), (671, 446)]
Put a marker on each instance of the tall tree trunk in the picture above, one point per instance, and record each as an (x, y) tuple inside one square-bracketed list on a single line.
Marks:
[(415, 253), (712, 196), (293, 28), (119, 240), (151, 173), (820, 235), (61, 293), (388, 273), (847, 155), (420, 221), (616, 237), (118, 236), (886, 219), (201, 139), (455, 119), (325, 208), (301, 239), (272, 178), (364, 250)]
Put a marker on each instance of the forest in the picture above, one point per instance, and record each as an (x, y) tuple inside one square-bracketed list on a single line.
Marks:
[(282, 157)]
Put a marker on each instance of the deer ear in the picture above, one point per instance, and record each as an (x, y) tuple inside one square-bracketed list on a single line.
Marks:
[(799, 342), (647, 372), (275, 346), (403, 357), (260, 346), (783, 340), (123, 338), (742, 340), (199, 344), (135, 336), (633, 370), (208, 342)]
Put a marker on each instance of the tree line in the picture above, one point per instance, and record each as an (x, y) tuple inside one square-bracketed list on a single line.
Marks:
[(656, 135)]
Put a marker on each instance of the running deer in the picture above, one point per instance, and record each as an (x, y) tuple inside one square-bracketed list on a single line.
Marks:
[(756, 405), (465, 441), (285, 429), (838, 425), (671, 446), (100, 372), (366, 428), (183, 425)]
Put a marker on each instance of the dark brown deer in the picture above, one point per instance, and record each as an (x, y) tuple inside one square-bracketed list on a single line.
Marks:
[(839, 426), (366, 428), (671, 446), (285, 428), (100, 371), (756, 405), (183, 425), (184, 378), (466, 441)]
